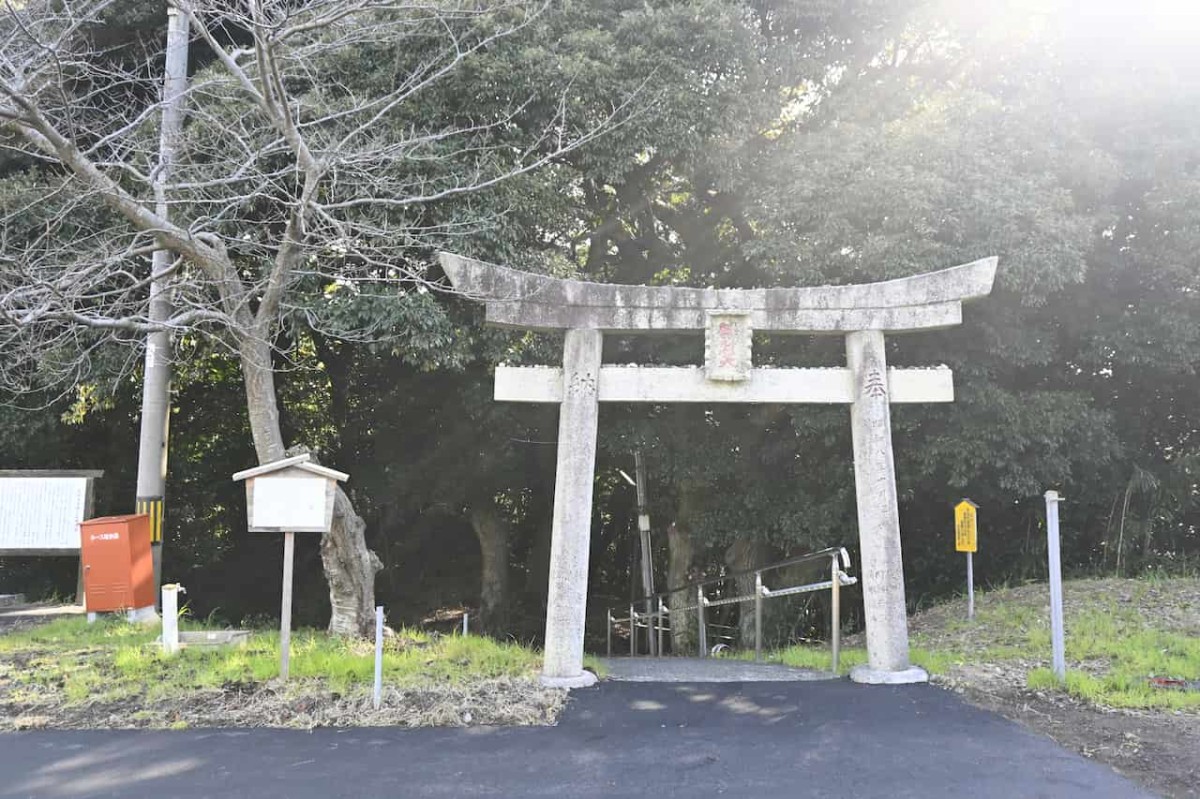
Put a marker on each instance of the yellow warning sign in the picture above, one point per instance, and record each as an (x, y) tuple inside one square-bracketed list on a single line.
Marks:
[(965, 528)]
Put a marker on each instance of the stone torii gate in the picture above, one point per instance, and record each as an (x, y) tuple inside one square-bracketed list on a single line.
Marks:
[(728, 317)]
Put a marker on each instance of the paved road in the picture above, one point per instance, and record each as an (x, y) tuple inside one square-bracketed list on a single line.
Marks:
[(760, 740)]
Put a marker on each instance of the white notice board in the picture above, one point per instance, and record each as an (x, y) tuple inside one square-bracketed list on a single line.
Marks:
[(288, 503), (40, 512)]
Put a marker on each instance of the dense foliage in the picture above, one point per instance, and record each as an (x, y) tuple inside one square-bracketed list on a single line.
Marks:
[(778, 142)]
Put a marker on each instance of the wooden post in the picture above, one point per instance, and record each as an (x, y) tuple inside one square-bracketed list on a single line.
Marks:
[(285, 614)]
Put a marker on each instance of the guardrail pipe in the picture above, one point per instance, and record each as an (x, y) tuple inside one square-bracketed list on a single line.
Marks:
[(657, 619), (758, 615), (662, 617), (608, 630), (835, 612)]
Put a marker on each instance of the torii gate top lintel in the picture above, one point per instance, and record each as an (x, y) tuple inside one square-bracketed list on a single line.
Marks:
[(540, 302)]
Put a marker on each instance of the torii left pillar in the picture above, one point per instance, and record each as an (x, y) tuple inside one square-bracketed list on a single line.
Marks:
[(578, 418)]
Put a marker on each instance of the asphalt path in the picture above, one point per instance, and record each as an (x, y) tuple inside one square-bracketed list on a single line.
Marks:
[(760, 740)]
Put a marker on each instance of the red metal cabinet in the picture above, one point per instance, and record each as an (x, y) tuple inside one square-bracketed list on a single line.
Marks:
[(118, 571)]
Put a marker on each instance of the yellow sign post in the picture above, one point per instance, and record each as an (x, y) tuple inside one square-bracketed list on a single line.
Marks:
[(966, 539)]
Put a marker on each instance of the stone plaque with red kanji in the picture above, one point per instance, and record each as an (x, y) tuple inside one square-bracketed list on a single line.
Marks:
[(727, 338)]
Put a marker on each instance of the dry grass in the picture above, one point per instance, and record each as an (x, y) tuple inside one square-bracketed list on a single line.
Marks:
[(112, 675), (304, 704)]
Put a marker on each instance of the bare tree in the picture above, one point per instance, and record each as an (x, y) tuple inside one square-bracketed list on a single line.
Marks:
[(295, 181)]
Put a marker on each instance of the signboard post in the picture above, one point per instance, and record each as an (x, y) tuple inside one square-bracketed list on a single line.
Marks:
[(289, 496), (966, 540)]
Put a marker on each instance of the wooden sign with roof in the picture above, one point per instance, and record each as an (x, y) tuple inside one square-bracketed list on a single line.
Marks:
[(289, 496), (293, 495)]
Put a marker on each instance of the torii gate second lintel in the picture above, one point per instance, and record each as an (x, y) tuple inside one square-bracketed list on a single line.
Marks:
[(728, 317)]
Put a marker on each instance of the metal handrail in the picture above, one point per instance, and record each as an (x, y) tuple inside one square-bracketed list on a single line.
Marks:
[(656, 621), (811, 556)]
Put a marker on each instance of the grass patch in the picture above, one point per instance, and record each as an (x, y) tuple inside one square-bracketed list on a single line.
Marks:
[(819, 658), (1118, 653), (1120, 633), (112, 660)]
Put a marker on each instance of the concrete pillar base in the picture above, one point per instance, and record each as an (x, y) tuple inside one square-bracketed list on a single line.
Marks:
[(146, 615), (583, 680), (870, 676)]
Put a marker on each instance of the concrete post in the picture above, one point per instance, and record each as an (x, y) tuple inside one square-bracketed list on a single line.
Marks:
[(170, 617), (878, 516), (156, 383), (566, 602)]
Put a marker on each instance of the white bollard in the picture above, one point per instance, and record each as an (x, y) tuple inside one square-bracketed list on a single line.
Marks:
[(1056, 599), (378, 695), (170, 617)]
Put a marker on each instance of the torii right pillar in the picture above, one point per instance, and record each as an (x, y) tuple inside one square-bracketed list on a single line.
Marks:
[(882, 575)]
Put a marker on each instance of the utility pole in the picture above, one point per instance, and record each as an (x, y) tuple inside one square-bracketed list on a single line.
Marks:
[(639, 473), (156, 384)]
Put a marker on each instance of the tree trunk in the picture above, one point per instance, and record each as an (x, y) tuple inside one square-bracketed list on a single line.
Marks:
[(492, 531), (743, 554), (680, 559), (349, 566), (350, 571)]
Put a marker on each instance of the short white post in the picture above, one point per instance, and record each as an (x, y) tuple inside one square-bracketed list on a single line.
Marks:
[(1056, 599), (632, 631), (662, 620), (378, 695), (285, 613), (466, 622), (970, 586), (170, 617)]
